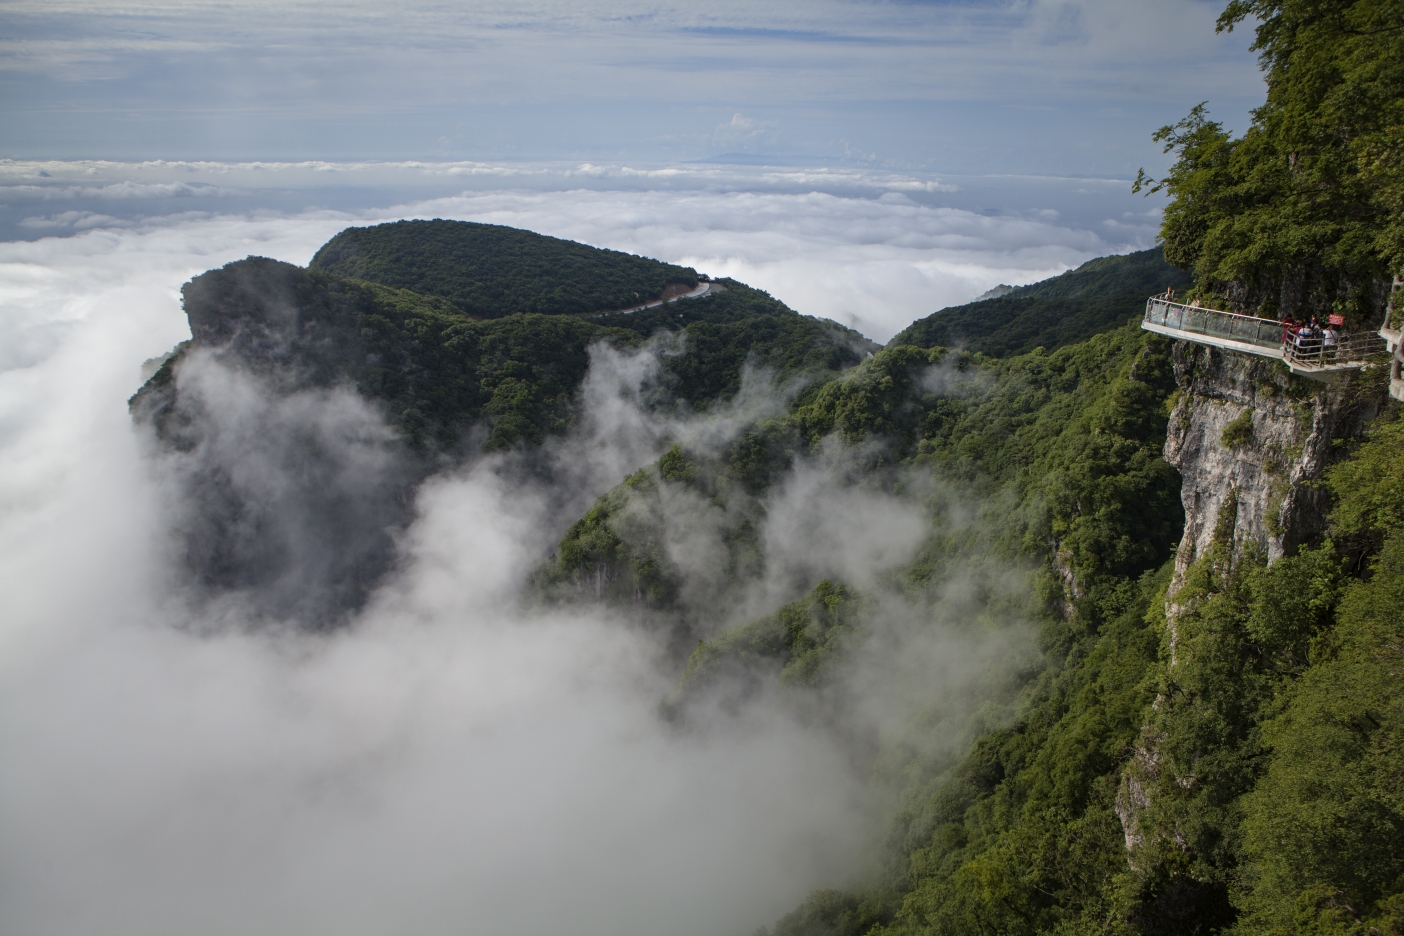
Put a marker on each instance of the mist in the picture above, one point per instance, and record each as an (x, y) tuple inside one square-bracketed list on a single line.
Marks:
[(871, 249), (456, 757)]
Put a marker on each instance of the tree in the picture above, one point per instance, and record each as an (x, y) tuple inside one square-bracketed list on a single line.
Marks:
[(1303, 212)]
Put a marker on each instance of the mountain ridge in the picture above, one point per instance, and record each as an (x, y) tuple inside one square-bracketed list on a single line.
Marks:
[(1122, 761), (1101, 294), (490, 270)]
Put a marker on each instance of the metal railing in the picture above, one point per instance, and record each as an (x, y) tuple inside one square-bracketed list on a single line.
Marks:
[(1311, 352), (1266, 333), (1317, 353)]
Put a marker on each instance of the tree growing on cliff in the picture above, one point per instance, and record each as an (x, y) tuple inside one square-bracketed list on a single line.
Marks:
[(1304, 211)]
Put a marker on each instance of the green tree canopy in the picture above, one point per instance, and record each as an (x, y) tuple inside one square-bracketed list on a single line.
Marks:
[(488, 270), (1303, 212)]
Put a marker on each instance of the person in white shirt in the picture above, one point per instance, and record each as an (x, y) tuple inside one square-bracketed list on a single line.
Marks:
[(1329, 339)]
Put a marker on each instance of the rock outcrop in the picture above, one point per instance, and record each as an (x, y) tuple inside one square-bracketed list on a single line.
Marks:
[(1250, 441)]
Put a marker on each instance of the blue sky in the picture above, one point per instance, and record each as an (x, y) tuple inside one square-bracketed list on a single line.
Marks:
[(1028, 86)]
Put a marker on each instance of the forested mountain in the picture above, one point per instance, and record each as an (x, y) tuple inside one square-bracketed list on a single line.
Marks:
[(447, 384), (1101, 294), (1190, 563), (442, 375), (488, 271)]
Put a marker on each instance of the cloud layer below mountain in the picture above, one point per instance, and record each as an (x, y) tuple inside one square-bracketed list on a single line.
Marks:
[(455, 760), (873, 250)]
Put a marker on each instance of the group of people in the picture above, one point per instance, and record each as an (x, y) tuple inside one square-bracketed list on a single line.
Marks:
[(1309, 339)]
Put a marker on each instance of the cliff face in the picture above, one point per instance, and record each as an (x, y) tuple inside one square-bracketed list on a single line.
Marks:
[(1250, 441), (1252, 444)]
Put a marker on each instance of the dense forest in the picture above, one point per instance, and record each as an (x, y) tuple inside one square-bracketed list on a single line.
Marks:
[(1188, 734), (488, 270), (449, 386), (1066, 309), (443, 377)]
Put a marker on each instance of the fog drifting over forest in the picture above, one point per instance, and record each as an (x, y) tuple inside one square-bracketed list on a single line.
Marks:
[(455, 760)]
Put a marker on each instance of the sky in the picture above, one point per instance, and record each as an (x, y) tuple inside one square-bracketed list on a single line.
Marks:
[(865, 161), (457, 760), (1069, 87)]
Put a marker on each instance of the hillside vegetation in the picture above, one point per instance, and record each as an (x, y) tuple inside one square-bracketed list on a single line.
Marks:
[(445, 383), (1076, 427), (442, 376), (1101, 294), (488, 270), (1273, 802), (1061, 449), (1228, 761)]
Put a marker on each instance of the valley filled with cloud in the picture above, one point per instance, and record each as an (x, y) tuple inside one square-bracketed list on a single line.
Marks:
[(483, 738), (454, 753)]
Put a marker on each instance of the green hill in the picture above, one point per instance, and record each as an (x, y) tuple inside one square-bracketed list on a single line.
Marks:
[(488, 270), (441, 375), (1278, 719), (445, 382), (1099, 295)]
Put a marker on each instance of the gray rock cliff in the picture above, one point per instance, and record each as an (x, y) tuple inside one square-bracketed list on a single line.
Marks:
[(1251, 442)]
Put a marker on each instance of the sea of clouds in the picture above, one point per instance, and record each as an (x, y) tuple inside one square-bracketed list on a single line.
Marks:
[(872, 249), (455, 760)]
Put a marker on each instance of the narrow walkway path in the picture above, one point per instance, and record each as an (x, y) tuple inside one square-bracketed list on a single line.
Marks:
[(703, 289), (1248, 334)]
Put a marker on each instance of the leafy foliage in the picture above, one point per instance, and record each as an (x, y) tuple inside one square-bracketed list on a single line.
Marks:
[(1271, 702), (1302, 212), (800, 638), (744, 324), (488, 271), (442, 376), (1022, 834), (1239, 431), (1098, 296), (1073, 438)]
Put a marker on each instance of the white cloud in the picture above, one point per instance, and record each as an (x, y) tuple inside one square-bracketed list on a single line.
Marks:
[(125, 189), (451, 762), (871, 249), (744, 132), (73, 221)]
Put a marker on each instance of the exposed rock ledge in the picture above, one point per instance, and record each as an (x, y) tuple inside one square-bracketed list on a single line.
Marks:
[(1250, 440)]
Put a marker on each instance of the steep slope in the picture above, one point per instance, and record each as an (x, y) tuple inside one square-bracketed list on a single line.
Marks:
[(307, 408), (1077, 431), (1099, 295), (1062, 452), (1233, 763), (488, 270)]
